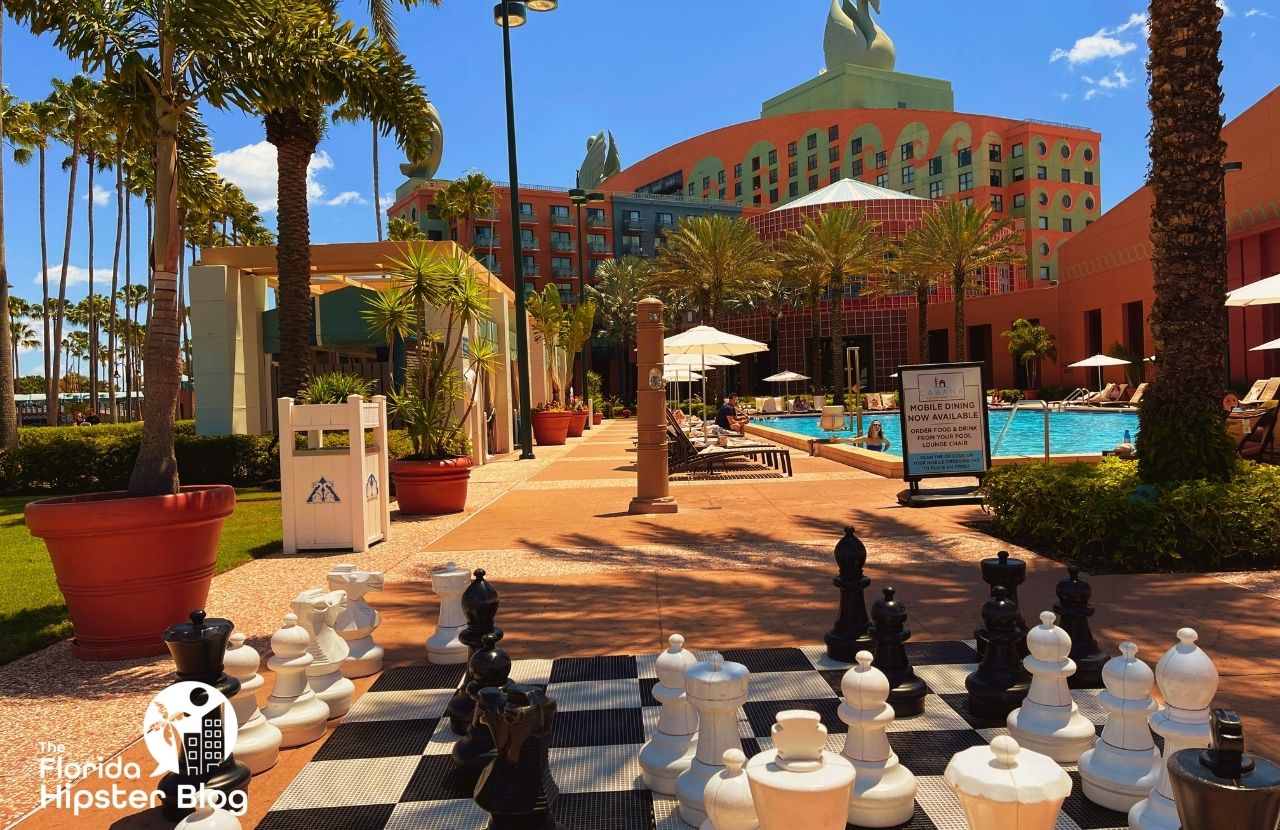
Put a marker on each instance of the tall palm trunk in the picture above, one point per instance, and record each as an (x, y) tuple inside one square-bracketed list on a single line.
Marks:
[(837, 336), (295, 137), (8, 406), (815, 338), (54, 403), (128, 307), (957, 290), (91, 323), (377, 180), (115, 285), (922, 320), (45, 311)]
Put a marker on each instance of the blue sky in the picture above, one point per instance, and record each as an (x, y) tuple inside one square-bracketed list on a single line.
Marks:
[(655, 73)]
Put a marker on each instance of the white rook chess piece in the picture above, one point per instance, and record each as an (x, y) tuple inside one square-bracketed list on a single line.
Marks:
[(443, 646), (293, 707), (257, 742), (884, 791), (1124, 764), (727, 796), (715, 688), (358, 619), (317, 611), (1188, 681), (798, 783), (670, 751), (1049, 722)]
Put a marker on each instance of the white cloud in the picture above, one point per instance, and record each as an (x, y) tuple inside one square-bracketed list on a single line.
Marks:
[(1116, 79), (76, 274), (1063, 96), (1103, 43), (386, 200), (101, 196), (1258, 13), (1226, 10), (253, 168), (1090, 94), (347, 197)]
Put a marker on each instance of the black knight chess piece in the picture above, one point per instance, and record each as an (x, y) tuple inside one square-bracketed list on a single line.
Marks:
[(198, 647), (890, 632), (1000, 682), (1009, 572), (516, 789), (850, 633), (1073, 610), (491, 668), (480, 605)]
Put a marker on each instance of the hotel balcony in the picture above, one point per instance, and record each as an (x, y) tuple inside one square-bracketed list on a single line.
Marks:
[(636, 249), (599, 248), (488, 240), (529, 245), (634, 222), (562, 246), (560, 272), (597, 222), (662, 225), (562, 220), (532, 270), (528, 216), (494, 268)]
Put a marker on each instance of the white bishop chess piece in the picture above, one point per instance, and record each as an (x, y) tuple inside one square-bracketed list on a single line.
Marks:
[(1188, 681), (798, 783), (715, 688), (728, 796), (293, 707), (257, 741), (317, 611), (1124, 763), (884, 791), (1049, 721), (443, 646), (670, 751), (357, 621)]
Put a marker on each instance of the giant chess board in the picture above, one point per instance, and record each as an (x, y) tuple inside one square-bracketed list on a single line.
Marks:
[(388, 764)]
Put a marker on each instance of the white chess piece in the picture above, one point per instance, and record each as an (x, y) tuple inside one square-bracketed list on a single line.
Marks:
[(798, 783), (716, 688), (1005, 787), (727, 796), (1049, 721), (257, 742), (357, 621), (317, 611), (670, 751), (1124, 763), (208, 817), (884, 791), (293, 707), (443, 646), (1188, 681)]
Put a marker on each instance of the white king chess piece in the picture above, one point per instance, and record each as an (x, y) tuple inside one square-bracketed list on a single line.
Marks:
[(670, 751), (1124, 763), (884, 791), (1049, 721), (317, 611), (257, 741), (443, 646), (357, 621)]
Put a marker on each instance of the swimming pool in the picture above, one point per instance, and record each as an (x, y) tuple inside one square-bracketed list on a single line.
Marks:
[(1070, 432)]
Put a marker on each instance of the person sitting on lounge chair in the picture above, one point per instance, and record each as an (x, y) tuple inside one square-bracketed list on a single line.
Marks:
[(800, 405), (1230, 402), (730, 418)]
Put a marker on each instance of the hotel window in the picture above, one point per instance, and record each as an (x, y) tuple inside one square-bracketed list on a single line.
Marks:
[(755, 163), (755, 182), (526, 209), (595, 242), (834, 175), (1088, 177), (1019, 200), (1044, 272), (665, 220), (720, 194), (811, 141), (706, 182), (910, 191), (720, 177), (1066, 152), (773, 177), (791, 150), (882, 180), (1042, 222), (812, 164), (1041, 148), (755, 200), (882, 160), (1066, 174), (773, 195), (773, 157), (855, 146), (964, 182), (1042, 173), (935, 166), (1066, 225), (793, 169), (1066, 201), (935, 190), (561, 266), (995, 153), (813, 182), (737, 171), (907, 151), (857, 167), (737, 188), (1042, 198), (1088, 154), (833, 132), (967, 201), (595, 214), (793, 190), (997, 203), (692, 187), (560, 211), (1089, 203), (997, 178), (833, 153), (908, 174), (964, 157), (1019, 173), (1016, 151)]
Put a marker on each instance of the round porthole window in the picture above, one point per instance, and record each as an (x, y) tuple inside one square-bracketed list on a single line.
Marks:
[(1066, 151), (1041, 148), (1088, 203), (1066, 201), (1044, 249), (1043, 199), (1088, 154)]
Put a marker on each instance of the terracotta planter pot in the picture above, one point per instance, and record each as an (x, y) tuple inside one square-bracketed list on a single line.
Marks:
[(129, 567), (577, 424), (551, 428), (429, 488), (596, 419)]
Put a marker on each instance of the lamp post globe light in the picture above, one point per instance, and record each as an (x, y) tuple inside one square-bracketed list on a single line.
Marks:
[(580, 198), (510, 14)]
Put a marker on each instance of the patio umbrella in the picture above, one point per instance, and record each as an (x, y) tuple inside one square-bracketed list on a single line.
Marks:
[(1262, 292), (702, 361), (676, 374), (707, 340), (785, 377), (1270, 344), (1098, 361)]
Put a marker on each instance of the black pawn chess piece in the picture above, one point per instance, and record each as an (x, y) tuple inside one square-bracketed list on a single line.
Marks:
[(480, 605), (1073, 610), (1000, 682), (517, 789), (890, 632), (850, 633), (491, 668), (198, 647), (1009, 572)]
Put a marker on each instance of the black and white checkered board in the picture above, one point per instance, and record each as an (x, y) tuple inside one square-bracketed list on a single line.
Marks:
[(388, 765)]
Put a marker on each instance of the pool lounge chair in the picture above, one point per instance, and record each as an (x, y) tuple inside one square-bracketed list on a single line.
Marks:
[(1263, 391), (1109, 393), (1129, 397), (683, 456), (1261, 439)]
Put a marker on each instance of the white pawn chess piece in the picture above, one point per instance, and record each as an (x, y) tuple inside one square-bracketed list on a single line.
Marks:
[(1049, 721), (443, 646), (798, 783), (1124, 763), (670, 751), (884, 791), (727, 796), (209, 817), (257, 741), (317, 611), (1188, 681), (358, 619), (1006, 787), (293, 707), (715, 688)]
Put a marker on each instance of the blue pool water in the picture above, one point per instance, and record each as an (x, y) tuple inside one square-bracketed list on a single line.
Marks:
[(1070, 433)]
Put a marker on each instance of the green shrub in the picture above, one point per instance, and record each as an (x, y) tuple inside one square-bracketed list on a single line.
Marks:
[(1055, 393), (1103, 516), (335, 387)]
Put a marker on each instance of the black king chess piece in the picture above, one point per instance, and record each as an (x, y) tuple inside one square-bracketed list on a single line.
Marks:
[(889, 631), (1000, 682), (517, 789), (491, 668), (1009, 572), (480, 605), (1073, 610), (198, 647), (1223, 786), (849, 635)]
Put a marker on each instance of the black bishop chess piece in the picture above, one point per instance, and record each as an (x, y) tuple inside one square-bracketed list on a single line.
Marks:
[(850, 633), (480, 605), (491, 668), (1008, 572), (1073, 610), (516, 789), (1000, 682), (889, 631), (198, 647)]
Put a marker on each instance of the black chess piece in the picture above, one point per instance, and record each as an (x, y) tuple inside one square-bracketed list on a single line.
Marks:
[(1000, 682), (1223, 786), (850, 633), (516, 789), (1010, 572), (491, 668), (198, 647), (480, 605), (889, 631), (1073, 610)]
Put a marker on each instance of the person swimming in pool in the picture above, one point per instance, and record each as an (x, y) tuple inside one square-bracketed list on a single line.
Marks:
[(875, 439)]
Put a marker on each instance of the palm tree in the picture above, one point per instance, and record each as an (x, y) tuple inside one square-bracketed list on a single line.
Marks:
[(1030, 343), (22, 336), (15, 128), (775, 296), (832, 248), (619, 285), (905, 274), (462, 200)]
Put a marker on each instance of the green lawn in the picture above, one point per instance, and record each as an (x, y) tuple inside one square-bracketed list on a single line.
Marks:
[(32, 613)]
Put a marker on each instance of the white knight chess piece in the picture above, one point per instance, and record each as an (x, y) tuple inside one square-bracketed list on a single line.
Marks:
[(358, 620), (317, 611)]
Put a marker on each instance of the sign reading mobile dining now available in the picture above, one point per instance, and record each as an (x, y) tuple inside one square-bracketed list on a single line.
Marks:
[(944, 420)]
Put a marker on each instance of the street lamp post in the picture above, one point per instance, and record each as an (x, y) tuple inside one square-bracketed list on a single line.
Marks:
[(510, 14), (581, 197)]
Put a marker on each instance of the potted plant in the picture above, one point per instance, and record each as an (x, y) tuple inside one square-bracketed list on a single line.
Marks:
[(439, 389), (561, 331), (819, 398), (595, 394)]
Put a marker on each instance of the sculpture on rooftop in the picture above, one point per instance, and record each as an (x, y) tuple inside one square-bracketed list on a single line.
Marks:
[(852, 37), (426, 168), (601, 161)]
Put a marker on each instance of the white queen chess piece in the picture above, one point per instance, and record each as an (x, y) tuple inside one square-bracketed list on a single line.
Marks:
[(443, 646), (1049, 721), (884, 791), (1124, 764), (1006, 787), (357, 621), (728, 796), (317, 611), (798, 783), (715, 688), (257, 741), (670, 751), (293, 707)]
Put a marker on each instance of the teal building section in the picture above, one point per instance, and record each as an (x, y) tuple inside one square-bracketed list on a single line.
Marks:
[(861, 87)]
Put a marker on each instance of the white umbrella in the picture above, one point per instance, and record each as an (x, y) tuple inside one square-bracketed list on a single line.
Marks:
[(1262, 292), (707, 360), (1098, 361), (786, 377), (1271, 344), (706, 340), (676, 374)]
